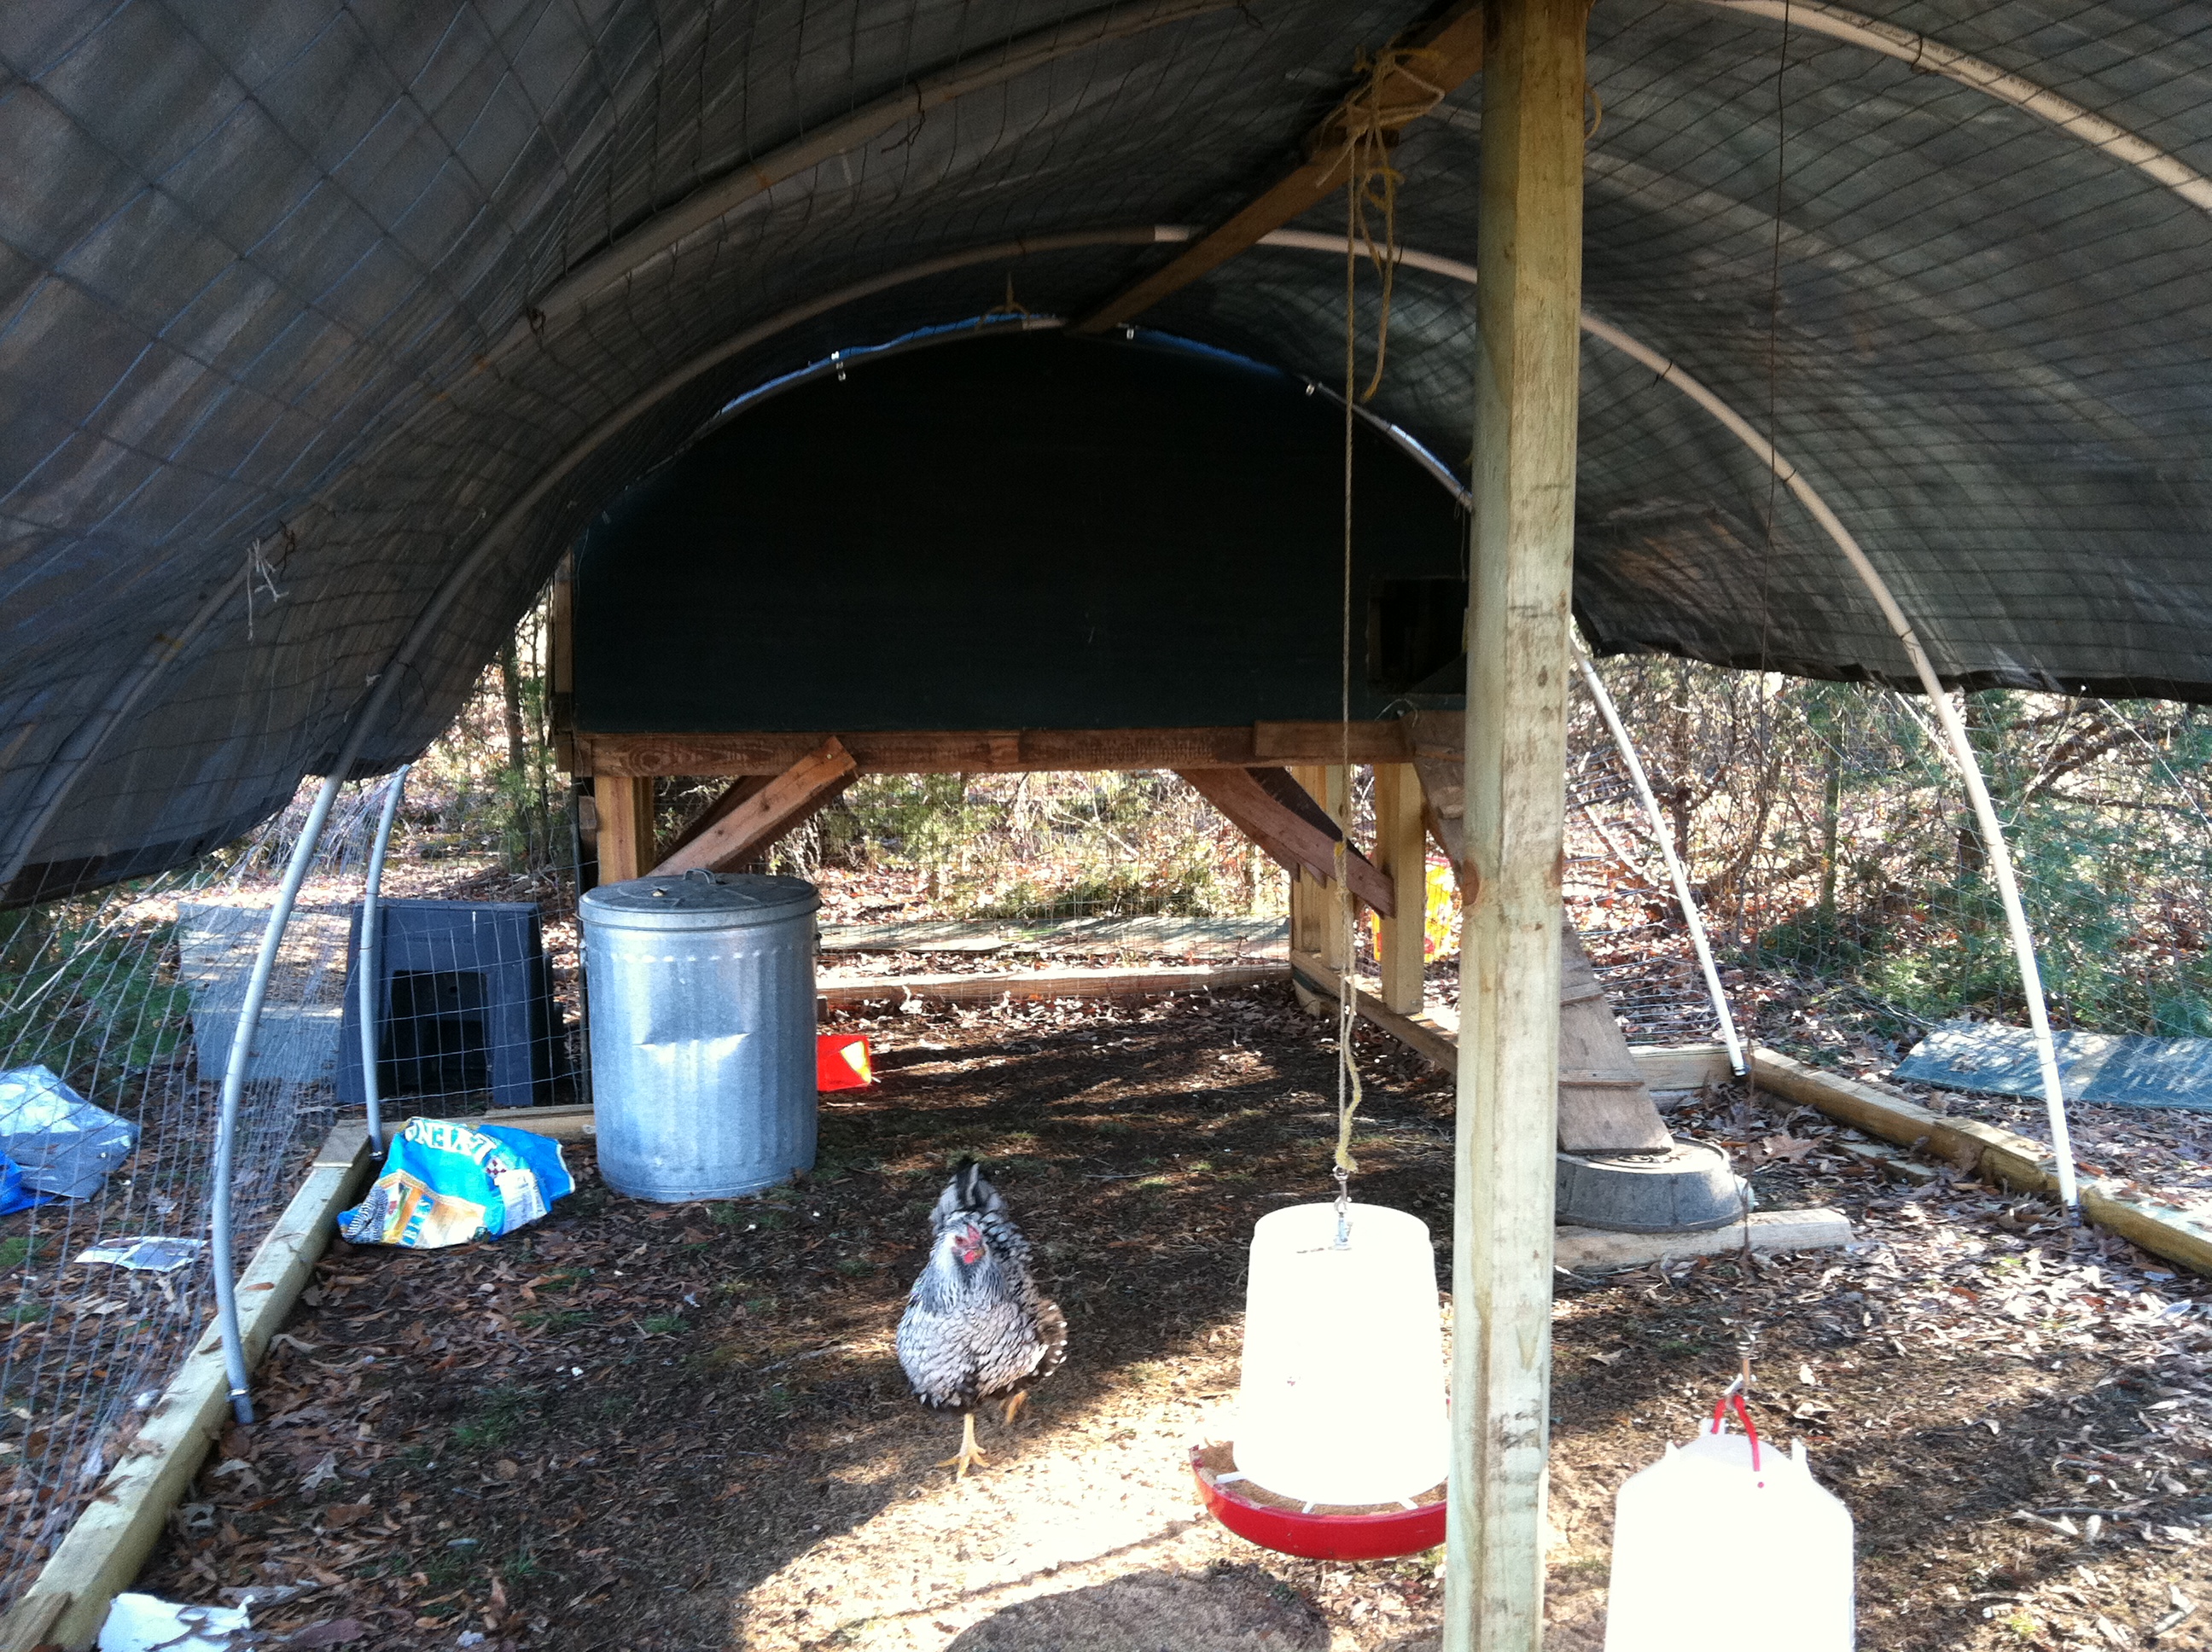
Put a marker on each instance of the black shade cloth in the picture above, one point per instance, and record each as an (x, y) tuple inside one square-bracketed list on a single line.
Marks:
[(274, 355)]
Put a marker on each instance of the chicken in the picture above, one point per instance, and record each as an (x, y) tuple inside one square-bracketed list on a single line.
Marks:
[(976, 1328)]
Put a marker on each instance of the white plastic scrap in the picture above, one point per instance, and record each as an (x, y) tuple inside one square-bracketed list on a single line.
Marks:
[(145, 1623), (148, 1254)]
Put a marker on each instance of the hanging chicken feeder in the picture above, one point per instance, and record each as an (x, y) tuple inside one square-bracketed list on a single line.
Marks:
[(1341, 1437)]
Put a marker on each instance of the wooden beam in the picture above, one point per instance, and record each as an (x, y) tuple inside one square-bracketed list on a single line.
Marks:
[(1432, 1033), (101, 1554), (1528, 305), (1439, 743), (1442, 54), (1138, 982), (996, 751), (1311, 902), (743, 788), (748, 828), (1255, 801), (1402, 856), (623, 805), (1333, 792)]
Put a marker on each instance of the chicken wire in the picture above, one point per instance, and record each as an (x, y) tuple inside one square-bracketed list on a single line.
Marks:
[(1830, 841), (302, 317), (131, 998)]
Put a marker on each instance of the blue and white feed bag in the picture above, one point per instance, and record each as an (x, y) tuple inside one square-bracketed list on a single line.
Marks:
[(446, 1182)]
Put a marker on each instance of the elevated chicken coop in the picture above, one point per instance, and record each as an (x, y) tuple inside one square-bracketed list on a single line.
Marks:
[(1016, 386)]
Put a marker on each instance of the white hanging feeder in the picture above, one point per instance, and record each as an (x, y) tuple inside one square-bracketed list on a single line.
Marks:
[(1341, 1441), (1726, 1544), (1343, 1393)]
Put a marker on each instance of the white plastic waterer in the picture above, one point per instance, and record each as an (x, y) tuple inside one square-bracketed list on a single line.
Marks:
[(1343, 1395), (1711, 1554)]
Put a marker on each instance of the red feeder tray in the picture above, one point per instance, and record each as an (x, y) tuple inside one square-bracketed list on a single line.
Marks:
[(1324, 1534)]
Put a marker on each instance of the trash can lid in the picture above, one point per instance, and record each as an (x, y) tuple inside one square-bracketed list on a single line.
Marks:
[(699, 900)]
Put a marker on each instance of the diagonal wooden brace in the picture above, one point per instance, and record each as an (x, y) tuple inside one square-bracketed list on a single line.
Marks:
[(755, 821), (1281, 816), (1439, 56), (743, 789)]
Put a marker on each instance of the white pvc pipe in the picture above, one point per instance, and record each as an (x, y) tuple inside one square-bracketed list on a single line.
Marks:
[(1931, 56), (662, 233), (369, 958), (1946, 714), (1665, 839)]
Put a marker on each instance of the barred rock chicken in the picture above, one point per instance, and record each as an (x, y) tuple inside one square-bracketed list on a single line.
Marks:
[(976, 1327)]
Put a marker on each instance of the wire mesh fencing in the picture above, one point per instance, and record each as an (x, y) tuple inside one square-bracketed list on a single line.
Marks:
[(1832, 847), (128, 1001)]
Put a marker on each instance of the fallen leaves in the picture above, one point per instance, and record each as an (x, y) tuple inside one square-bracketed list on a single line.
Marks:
[(337, 1632)]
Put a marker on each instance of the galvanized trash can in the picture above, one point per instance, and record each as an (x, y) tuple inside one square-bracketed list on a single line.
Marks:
[(702, 1032)]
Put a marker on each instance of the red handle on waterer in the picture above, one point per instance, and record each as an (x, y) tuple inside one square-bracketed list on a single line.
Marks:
[(1751, 1429)]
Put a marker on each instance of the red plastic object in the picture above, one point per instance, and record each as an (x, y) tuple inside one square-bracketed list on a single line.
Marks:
[(840, 1061), (1319, 1535)]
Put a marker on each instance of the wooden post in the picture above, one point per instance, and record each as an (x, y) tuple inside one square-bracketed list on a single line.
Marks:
[(1401, 855), (1334, 792), (1528, 303), (624, 805), (1309, 901)]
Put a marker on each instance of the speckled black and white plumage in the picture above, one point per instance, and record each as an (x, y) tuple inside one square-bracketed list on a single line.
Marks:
[(977, 1330)]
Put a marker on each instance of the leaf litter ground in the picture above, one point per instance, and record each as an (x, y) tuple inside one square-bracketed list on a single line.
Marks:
[(665, 1427)]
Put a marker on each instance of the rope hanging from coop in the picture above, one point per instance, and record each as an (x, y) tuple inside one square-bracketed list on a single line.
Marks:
[(1369, 121), (1336, 1335)]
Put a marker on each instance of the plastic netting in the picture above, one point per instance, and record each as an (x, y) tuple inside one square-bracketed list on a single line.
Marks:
[(297, 323)]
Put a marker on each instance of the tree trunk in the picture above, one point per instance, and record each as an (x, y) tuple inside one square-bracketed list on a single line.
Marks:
[(1832, 798), (510, 685)]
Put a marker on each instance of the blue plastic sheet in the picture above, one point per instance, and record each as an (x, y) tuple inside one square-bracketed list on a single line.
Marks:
[(14, 1196), (56, 1141), (446, 1181), (2111, 1069)]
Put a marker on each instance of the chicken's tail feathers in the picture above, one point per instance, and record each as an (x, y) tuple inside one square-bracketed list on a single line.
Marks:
[(971, 1190), (968, 1188)]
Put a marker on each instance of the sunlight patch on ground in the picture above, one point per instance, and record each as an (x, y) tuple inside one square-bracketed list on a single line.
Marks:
[(1059, 1509)]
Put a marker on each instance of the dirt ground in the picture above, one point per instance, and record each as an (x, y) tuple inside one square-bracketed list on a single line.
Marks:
[(671, 1427)]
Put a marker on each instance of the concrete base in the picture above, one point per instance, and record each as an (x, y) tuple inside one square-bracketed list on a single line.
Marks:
[(1815, 1229)]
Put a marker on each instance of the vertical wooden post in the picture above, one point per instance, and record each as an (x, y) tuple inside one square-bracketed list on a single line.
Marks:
[(625, 811), (1310, 897), (1401, 855), (1334, 792), (1527, 302)]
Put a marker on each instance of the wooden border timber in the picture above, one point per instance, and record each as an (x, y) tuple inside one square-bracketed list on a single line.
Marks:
[(101, 1554), (1997, 1154), (989, 988), (994, 752), (1967, 1145)]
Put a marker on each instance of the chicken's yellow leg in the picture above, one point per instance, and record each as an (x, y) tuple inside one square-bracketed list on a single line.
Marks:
[(1014, 1406), (969, 1455)]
